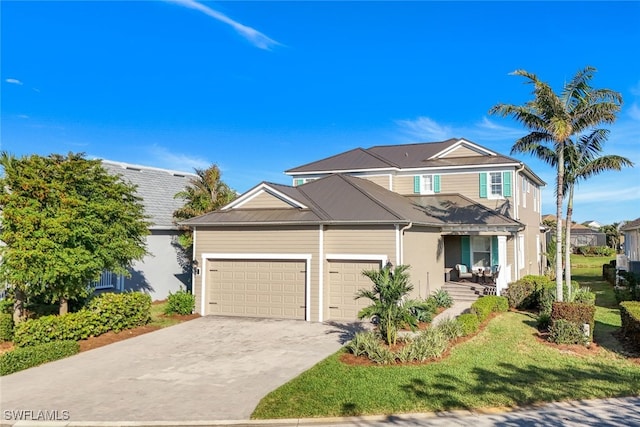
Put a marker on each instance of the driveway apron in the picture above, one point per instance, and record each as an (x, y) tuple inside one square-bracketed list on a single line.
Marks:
[(204, 369)]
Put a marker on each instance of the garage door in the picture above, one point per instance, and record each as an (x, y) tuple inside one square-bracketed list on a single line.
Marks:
[(257, 288), (345, 279)]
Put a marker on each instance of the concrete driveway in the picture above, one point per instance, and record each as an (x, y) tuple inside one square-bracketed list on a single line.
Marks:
[(205, 369)]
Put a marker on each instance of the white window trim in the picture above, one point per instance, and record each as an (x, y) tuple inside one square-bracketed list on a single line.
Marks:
[(490, 194), (423, 189), (277, 256)]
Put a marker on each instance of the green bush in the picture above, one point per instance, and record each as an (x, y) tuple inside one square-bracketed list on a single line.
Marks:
[(576, 313), (442, 298), (424, 312), (450, 328), (370, 344), (489, 304), (24, 358), (181, 302), (519, 294), (469, 323), (529, 292), (6, 327), (584, 295), (108, 312), (630, 317), (122, 311), (565, 332), (430, 343), (6, 305), (543, 321)]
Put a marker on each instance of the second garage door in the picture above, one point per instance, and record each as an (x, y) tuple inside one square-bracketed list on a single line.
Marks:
[(345, 279), (257, 288)]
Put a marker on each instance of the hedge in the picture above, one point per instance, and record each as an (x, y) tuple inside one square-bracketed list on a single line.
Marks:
[(630, 316), (6, 327), (469, 323), (576, 313), (529, 292), (28, 357), (107, 312), (489, 304)]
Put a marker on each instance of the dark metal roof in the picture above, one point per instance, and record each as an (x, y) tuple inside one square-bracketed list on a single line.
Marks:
[(631, 225), (344, 199), (156, 187)]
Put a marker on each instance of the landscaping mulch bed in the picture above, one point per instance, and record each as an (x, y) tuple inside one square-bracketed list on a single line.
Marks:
[(112, 337)]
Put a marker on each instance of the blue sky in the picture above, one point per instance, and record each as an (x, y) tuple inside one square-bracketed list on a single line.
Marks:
[(261, 87)]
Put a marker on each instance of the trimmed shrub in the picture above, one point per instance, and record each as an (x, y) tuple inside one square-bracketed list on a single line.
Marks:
[(576, 313), (529, 292), (450, 328), (108, 312), (181, 302), (6, 305), (630, 316), (565, 332), (6, 327), (122, 311), (442, 298), (489, 304), (469, 323), (28, 357), (543, 321)]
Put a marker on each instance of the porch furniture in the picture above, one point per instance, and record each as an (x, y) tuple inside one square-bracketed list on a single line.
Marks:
[(480, 275), (495, 272), (463, 272)]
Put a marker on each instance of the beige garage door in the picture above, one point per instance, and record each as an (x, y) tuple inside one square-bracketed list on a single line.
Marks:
[(345, 279), (257, 288)]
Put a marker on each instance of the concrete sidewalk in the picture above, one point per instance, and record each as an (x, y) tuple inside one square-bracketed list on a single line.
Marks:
[(454, 311)]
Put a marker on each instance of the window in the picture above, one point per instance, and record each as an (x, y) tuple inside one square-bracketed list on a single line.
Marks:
[(521, 251), (426, 184), (524, 192), (495, 185), (481, 251)]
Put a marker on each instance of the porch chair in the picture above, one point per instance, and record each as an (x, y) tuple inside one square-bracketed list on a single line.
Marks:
[(495, 272), (463, 272)]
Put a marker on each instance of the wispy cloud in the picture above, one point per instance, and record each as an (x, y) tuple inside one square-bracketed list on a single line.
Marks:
[(14, 81), (424, 128), (254, 36), (163, 158), (634, 112)]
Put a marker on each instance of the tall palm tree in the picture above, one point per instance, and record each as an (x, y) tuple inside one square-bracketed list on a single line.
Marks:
[(583, 160), (204, 194), (555, 121)]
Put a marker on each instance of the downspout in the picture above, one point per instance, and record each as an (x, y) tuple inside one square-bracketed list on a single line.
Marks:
[(402, 241), (516, 195)]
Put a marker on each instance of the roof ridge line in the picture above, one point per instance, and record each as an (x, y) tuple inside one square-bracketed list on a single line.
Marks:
[(487, 208), (318, 209), (387, 161), (372, 198)]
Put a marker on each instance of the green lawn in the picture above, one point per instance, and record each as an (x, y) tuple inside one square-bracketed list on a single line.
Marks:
[(504, 365), (158, 318)]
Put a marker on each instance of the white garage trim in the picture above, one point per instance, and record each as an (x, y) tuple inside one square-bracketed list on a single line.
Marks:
[(306, 257), (359, 257), (320, 272)]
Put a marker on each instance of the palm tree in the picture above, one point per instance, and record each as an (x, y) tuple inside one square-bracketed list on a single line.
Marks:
[(389, 304), (582, 161), (205, 193), (554, 122)]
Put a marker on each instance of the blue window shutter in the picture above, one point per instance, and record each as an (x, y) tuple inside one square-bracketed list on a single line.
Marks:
[(416, 184), (436, 183), (465, 242), (299, 181), (494, 251), (483, 185), (506, 184)]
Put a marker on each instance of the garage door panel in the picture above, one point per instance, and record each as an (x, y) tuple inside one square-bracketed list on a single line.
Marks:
[(257, 288), (345, 280)]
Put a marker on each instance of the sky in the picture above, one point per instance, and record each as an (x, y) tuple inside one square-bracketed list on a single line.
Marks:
[(261, 87)]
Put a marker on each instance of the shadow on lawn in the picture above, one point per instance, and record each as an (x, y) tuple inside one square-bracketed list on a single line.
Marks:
[(505, 383), (347, 330)]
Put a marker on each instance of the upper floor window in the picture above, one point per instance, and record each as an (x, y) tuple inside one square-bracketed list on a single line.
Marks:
[(495, 185), (426, 184)]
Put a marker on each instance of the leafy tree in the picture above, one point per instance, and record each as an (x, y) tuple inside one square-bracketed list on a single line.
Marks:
[(555, 121), (389, 304), (204, 194), (64, 221), (613, 234)]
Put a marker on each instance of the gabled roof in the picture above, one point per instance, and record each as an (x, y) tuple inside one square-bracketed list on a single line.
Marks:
[(157, 188), (407, 157), (344, 199), (631, 225)]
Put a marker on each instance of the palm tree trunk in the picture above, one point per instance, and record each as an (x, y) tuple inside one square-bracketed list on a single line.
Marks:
[(567, 267), (559, 194)]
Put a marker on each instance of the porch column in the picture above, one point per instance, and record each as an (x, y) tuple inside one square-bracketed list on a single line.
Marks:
[(501, 283)]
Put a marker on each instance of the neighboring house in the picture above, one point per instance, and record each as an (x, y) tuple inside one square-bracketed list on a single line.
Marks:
[(581, 234), (595, 225), (298, 251), (631, 231), (165, 269)]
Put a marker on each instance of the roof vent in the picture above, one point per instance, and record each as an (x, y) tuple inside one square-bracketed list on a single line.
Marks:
[(133, 169)]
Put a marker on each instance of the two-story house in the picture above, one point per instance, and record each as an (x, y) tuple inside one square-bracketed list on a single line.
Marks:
[(298, 251)]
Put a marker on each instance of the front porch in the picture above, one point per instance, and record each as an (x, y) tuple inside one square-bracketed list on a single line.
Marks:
[(468, 291)]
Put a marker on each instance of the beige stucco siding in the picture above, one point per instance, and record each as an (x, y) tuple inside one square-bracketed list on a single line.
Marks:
[(260, 240), (403, 184), (265, 200), (423, 250)]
